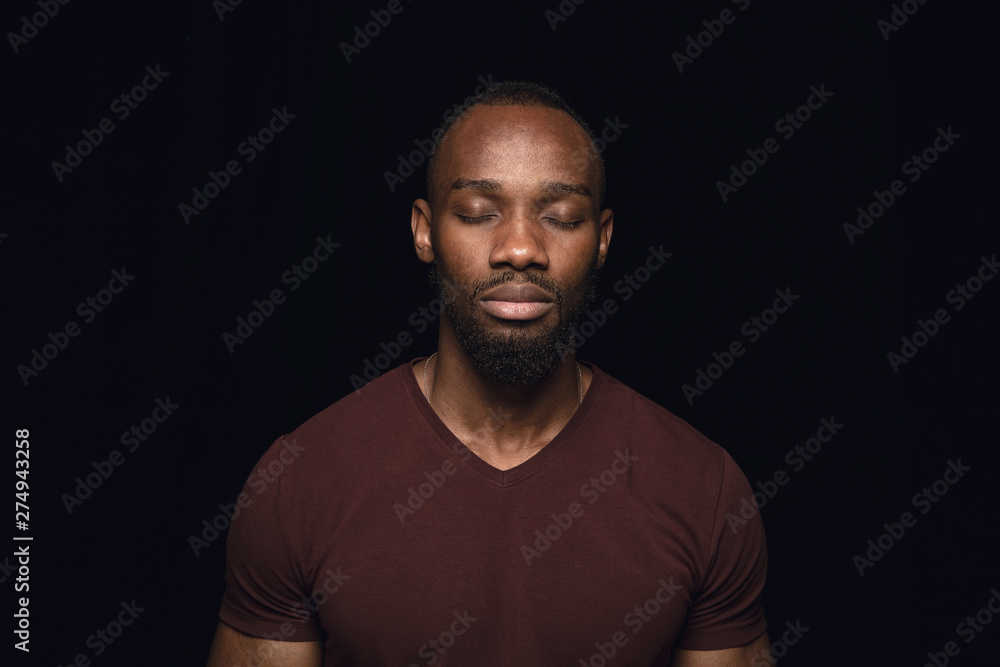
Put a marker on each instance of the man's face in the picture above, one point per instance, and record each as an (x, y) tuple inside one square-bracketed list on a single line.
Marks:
[(516, 237)]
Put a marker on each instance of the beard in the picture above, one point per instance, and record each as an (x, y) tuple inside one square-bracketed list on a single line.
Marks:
[(523, 356)]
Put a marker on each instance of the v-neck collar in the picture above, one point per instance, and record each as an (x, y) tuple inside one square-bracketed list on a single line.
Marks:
[(522, 471)]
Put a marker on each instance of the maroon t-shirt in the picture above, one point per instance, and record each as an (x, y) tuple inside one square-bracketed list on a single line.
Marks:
[(373, 529)]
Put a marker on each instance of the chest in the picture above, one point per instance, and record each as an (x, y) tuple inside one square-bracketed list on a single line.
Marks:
[(473, 575)]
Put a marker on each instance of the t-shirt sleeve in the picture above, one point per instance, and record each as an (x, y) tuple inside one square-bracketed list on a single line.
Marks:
[(727, 610), (266, 591)]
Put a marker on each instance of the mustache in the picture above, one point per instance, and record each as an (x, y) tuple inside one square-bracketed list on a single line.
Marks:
[(547, 284), (453, 290)]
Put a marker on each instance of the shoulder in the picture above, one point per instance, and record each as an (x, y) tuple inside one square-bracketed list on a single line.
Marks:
[(345, 441), (680, 475), (689, 485), (665, 438), (378, 402), (368, 413)]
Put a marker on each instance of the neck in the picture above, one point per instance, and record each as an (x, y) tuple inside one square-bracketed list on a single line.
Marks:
[(502, 425)]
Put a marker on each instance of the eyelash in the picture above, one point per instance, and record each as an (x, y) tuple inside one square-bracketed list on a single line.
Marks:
[(484, 218), (465, 218)]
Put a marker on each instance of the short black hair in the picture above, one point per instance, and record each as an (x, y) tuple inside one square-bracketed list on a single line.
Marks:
[(513, 93)]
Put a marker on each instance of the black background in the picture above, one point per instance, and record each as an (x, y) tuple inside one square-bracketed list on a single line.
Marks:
[(324, 176)]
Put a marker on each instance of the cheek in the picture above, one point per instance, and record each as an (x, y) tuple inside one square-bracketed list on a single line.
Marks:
[(463, 256), (585, 255), (454, 274), (582, 269)]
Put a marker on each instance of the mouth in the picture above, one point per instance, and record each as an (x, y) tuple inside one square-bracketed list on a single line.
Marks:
[(516, 310), (522, 301)]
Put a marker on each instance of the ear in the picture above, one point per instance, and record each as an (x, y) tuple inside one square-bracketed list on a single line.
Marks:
[(607, 224), (420, 223)]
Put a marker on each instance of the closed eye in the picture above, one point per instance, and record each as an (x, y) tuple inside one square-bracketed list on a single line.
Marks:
[(483, 218), (560, 223), (473, 220)]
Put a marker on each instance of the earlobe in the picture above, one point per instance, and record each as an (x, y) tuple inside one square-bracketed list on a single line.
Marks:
[(420, 224), (607, 225)]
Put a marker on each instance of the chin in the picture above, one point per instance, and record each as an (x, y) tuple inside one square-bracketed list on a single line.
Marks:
[(511, 352), (517, 353)]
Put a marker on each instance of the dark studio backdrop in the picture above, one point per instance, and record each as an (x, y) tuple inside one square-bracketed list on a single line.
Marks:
[(246, 146)]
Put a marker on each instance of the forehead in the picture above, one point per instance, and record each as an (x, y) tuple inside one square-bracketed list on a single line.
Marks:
[(518, 144)]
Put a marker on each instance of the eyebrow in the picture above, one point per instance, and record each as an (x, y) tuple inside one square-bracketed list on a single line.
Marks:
[(552, 188), (557, 188), (486, 185)]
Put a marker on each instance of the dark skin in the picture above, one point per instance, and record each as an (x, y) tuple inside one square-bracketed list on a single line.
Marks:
[(516, 226), (522, 175)]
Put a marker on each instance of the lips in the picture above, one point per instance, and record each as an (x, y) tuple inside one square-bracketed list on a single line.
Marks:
[(520, 301), (520, 292)]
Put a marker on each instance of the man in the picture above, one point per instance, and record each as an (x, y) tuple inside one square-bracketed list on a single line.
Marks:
[(498, 503)]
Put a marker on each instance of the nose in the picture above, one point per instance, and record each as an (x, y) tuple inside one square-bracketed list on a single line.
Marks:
[(519, 243)]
